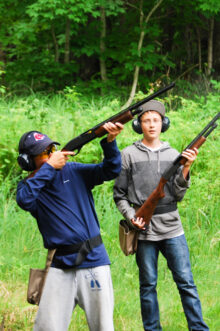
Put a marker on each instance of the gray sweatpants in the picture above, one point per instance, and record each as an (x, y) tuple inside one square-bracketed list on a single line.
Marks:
[(64, 289)]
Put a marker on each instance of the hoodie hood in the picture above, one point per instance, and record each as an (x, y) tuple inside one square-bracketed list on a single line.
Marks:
[(163, 148)]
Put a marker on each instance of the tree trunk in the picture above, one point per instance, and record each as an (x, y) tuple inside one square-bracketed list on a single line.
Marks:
[(56, 47), (216, 49), (140, 44), (67, 42), (102, 45), (199, 48), (188, 45), (1, 55), (210, 47), (2, 66)]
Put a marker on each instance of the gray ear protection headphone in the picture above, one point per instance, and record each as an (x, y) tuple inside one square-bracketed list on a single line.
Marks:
[(136, 125), (25, 161)]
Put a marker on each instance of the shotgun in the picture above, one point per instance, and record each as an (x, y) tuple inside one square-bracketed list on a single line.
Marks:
[(123, 117), (146, 211)]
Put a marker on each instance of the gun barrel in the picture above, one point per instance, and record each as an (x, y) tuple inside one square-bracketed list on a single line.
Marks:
[(210, 130), (123, 117), (204, 131), (135, 106), (196, 142), (150, 97)]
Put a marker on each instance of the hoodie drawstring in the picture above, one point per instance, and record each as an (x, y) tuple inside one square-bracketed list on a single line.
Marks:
[(158, 162)]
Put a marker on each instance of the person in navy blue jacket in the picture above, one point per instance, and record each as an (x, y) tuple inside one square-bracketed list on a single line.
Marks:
[(58, 194)]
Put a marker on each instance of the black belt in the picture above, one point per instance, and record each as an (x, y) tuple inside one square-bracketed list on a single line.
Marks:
[(165, 209), (82, 248), (162, 209)]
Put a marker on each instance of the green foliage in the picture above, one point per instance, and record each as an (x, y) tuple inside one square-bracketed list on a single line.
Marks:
[(71, 94), (50, 44), (216, 85), (211, 7)]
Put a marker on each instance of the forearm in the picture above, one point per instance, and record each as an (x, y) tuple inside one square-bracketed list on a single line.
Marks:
[(180, 184), (185, 171), (190, 156), (111, 165), (125, 209)]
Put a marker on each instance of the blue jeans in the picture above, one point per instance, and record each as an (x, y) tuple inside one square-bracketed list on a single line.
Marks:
[(176, 252)]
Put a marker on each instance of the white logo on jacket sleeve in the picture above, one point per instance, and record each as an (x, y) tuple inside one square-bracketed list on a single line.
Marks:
[(66, 181)]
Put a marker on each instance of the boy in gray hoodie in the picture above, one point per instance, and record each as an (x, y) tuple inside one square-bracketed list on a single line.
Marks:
[(143, 163)]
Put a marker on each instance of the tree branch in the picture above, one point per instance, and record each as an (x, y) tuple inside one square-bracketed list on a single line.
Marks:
[(140, 44)]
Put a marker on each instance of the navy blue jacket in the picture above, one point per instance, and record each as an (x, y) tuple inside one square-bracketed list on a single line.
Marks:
[(63, 205)]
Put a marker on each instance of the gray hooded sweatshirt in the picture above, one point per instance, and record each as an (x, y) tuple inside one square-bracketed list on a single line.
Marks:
[(142, 169)]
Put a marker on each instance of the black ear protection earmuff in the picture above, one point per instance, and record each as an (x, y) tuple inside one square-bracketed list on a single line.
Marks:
[(136, 125), (25, 161)]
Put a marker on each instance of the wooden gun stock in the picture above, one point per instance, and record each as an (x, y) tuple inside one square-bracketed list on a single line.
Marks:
[(123, 118), (197, 144), (147, 209)]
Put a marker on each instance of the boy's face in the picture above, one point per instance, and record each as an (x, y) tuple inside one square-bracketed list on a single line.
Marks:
[(151, 124)]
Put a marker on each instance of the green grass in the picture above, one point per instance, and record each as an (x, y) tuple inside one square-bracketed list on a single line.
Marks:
[(20, 242)]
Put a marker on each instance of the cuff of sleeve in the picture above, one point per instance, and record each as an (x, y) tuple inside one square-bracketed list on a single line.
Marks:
[(181, 181), (104, 142), (130, 214), (125, 209), (108, 147)]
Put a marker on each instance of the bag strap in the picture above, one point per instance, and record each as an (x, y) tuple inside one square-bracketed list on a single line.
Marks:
[(50, 255)]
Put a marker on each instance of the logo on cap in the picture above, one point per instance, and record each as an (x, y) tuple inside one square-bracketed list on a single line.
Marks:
[(38, 136)]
